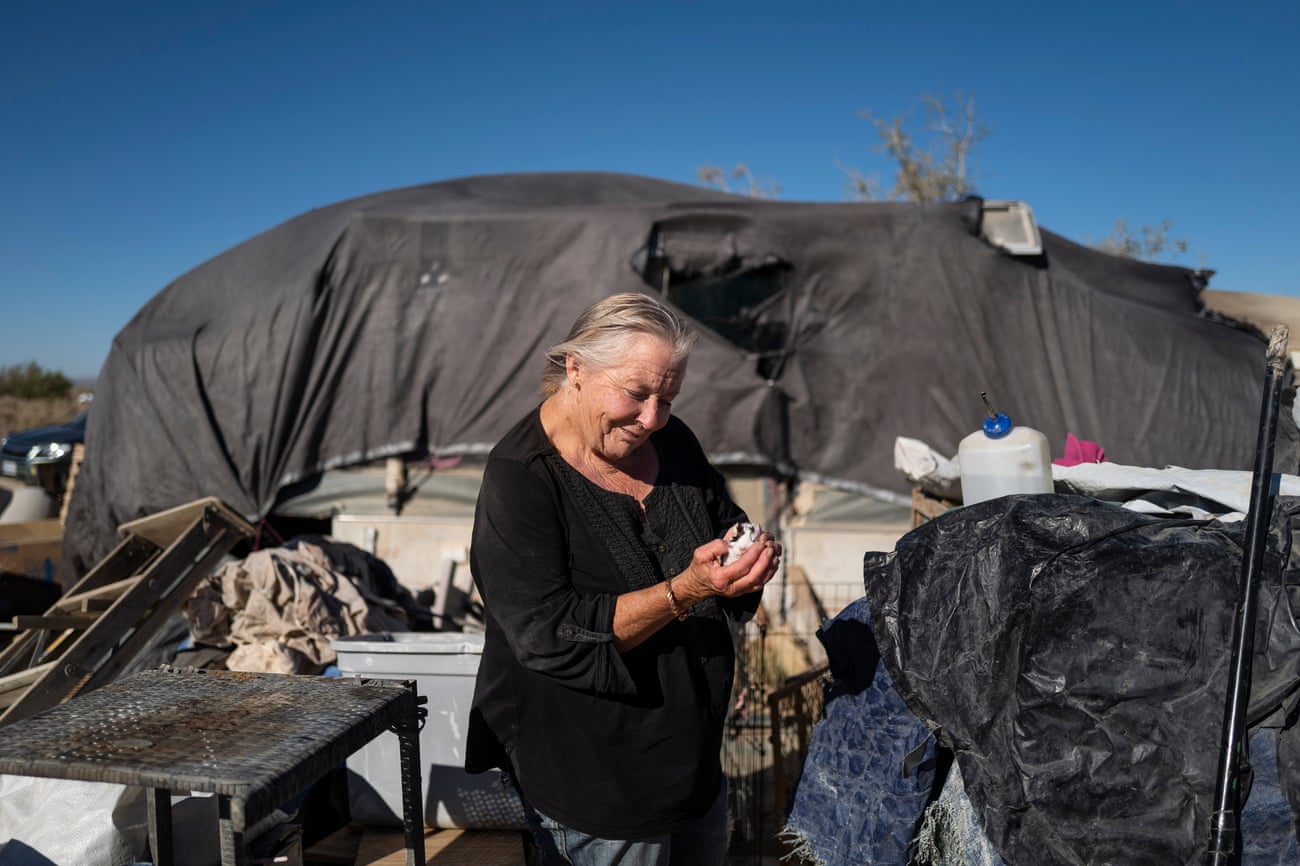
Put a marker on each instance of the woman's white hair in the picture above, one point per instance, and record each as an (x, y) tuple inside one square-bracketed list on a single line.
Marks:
[(600, 336)]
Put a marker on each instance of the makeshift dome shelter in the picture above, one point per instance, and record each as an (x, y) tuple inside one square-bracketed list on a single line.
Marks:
[(416, 320)]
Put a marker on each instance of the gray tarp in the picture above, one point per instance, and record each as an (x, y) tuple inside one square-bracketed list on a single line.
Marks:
[(415, 320)]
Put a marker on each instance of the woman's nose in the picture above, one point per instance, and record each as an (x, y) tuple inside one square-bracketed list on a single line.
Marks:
[(653, 415)]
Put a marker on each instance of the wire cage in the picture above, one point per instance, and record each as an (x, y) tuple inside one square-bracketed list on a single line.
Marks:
[(778, 700)]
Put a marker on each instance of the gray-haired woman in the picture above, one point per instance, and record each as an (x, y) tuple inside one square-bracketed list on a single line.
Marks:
[(598, 547)]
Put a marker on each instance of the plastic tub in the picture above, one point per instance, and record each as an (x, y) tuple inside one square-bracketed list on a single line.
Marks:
[(443, 665)]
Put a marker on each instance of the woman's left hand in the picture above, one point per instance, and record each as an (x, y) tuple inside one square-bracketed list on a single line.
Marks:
[(641, 613), (707, 576)]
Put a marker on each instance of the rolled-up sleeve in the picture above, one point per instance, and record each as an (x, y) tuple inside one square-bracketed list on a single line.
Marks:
[(521, 561)]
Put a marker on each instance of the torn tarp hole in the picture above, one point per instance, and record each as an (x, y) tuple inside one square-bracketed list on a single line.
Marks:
[(711, 267)]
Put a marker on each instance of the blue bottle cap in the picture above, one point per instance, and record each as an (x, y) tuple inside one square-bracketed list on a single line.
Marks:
[(996, 426)]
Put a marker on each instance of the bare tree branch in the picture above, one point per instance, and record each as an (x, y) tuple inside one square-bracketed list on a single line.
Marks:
[(754, 186), (936, 160), (1147, 243), (940, 168)]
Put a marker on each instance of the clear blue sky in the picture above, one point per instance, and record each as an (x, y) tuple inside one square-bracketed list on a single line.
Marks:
[(141, 139)]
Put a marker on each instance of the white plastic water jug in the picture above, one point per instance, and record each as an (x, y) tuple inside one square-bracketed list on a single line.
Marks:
[(1001, 459)]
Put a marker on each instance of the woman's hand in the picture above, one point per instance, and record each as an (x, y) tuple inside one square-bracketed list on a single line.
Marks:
[(707, 576), (643, 612)]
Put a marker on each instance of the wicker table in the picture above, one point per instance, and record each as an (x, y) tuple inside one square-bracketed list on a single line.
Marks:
[(253, 740)]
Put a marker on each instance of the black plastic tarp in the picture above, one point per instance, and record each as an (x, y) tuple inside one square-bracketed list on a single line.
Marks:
[(1074, 655), (415, 320)]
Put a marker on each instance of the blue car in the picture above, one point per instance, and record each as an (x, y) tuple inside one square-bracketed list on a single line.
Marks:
[(42, 456)]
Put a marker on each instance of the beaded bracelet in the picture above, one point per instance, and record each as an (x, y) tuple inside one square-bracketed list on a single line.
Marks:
[(672, 600)]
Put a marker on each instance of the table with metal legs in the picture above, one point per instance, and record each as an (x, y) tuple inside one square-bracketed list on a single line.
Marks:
[(253, 740)]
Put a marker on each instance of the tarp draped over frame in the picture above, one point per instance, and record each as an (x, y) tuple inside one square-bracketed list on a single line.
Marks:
[(416, 320), (1074, 655)]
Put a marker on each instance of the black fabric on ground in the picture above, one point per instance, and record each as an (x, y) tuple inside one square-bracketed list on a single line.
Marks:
[(416, 320), (1074, 655)]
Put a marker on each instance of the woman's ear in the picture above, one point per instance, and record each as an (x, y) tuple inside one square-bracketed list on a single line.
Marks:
[(573, 372)]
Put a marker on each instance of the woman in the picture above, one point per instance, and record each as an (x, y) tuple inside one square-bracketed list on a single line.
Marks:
[(597, 547)]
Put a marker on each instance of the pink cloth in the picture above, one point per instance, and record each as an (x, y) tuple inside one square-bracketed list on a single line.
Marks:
[(1080, 451)]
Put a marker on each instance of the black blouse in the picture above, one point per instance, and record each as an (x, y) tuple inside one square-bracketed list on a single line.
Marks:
[(617, 745)]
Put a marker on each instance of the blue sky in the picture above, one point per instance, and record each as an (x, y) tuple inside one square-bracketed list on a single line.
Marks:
[(141, 139)]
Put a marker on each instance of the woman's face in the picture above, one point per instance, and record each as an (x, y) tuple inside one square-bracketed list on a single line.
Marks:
[(619, 407)]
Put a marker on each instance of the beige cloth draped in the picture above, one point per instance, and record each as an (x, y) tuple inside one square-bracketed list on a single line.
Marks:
[(281, 607)]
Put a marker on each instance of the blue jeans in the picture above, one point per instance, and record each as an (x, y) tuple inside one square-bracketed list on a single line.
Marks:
[(703, 843)]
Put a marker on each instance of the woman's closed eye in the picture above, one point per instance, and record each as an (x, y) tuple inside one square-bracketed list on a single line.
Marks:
[(641, 397)]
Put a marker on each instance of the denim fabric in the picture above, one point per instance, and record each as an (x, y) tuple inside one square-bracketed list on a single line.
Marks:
[(1268, 835), (855, 802), (950, 834), (703, 843)]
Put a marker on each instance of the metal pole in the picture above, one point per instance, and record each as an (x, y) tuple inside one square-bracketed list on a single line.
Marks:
[(1222, 849)]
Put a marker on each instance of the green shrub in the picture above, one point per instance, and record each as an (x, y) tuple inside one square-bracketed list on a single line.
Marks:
[(30, 382)]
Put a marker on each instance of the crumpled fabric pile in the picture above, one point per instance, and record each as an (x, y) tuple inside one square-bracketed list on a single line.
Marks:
[(280, 607)]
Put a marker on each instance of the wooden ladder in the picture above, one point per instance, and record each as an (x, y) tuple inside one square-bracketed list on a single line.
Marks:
[(88, 637)]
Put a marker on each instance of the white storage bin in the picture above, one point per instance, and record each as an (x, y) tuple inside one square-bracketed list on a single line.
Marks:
[(443, 665)]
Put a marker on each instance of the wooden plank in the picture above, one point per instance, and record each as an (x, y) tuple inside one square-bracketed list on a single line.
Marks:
[(52, 649), (130, 555), (170, 589), (74, 469), (54, 620), (102, 651), (116, 629), (927, 506), (19, 652), (100, 598), (384, 847), (13, 686), (16, 534), (33, 548), (165, 527)]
